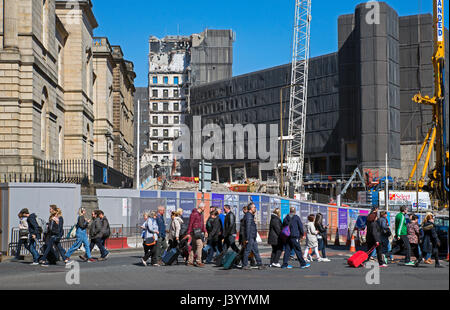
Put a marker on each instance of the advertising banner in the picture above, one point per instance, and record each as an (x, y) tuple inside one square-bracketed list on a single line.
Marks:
[(233, 202), (171, 202), (187, 203), (343, 222), (353, 216), (304, 212), (265, 210), (406, 198), (217, 200), (324, 211), (333, 219), (284, 208)]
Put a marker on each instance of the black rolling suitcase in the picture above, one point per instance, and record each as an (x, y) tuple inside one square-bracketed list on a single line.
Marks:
[(218, 261), (171, 256)]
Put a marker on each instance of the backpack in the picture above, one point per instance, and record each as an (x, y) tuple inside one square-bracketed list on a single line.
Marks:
[(286, 232), (42, 225)]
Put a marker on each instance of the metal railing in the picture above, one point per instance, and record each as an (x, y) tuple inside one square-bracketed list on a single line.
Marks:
[(76, 171)]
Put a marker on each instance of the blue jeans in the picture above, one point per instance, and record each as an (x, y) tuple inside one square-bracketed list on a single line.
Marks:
[(99, 242), (213, 248), (82, 239), (50, 242), (294, 244), (252, 246), (322, 247), (32, 248), (19, 247)]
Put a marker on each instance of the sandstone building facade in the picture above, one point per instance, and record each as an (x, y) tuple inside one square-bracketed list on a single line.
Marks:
[(55, 85)]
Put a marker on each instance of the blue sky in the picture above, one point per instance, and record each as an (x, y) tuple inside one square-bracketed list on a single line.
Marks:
[(263, 27)]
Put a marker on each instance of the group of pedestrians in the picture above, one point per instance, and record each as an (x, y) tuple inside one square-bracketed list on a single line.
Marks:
[(31, 229), (201, 243), (420, 240)]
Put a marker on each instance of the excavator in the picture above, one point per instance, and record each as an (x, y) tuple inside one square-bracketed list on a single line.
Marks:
[(438, 184)]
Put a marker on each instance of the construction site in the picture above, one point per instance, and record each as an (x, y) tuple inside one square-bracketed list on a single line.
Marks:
[(373, 115)]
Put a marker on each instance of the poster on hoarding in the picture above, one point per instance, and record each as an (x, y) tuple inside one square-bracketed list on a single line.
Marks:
[(217, 200), (187, 203), (343, 222), (304, 212), (406, 198), (324, 211), (265, 210), (284, 208), (333, 219), (171, 203), (233, 202), (353, 216)]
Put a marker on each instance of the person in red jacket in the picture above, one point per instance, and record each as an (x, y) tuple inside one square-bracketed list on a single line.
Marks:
[(195, 229)]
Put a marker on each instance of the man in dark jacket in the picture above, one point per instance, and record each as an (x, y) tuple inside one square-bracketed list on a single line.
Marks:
[(374, 236), (229, 232), (161, 243), (34, 235), (105, 231), (293, 241), (250, 234), (195, 228), (96, 234), (214, 230)]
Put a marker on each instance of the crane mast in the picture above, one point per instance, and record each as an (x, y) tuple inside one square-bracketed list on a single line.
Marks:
[(298, 94), (436, 136)]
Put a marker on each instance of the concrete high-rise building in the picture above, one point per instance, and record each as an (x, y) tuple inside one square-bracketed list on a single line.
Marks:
[(359, 99)]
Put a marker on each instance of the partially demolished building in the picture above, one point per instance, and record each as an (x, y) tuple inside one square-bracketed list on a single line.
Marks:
[(175, 64)]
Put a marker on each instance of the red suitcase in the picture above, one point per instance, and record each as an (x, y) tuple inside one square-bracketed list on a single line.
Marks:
[(359, 257)]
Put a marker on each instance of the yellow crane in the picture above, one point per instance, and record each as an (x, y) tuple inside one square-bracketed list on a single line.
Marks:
[(436, 137)]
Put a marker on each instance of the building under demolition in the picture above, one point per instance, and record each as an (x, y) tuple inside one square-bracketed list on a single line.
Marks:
[(360, 104), (175, 64)]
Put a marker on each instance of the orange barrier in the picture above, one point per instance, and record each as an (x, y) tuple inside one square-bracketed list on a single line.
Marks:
[(117, 243)]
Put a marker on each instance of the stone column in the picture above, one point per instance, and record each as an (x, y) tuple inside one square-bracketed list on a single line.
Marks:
[(217, 174), (245, 171), (10, 34), (231, 174)]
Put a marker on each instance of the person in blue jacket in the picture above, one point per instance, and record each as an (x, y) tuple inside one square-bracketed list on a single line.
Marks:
[(293, 241)]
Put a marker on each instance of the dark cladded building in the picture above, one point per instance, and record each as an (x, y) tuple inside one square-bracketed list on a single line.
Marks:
[(359, 99)]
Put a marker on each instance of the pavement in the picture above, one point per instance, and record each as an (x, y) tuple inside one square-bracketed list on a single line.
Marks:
[(123, 270)]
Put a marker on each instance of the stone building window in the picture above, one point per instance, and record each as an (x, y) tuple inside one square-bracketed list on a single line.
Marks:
[(44, 100), (165, 147), (176, 93), (155, 146), (155, 106), (155, 120), (176, 80), (155, 93), (165, 80), (165, 106), (165, 93), (176, 106), (176, 120), (165, 120), (166, 132), (155, 80), (155, 132)]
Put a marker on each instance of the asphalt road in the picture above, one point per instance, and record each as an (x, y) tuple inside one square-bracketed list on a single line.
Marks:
[(124, 271)]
